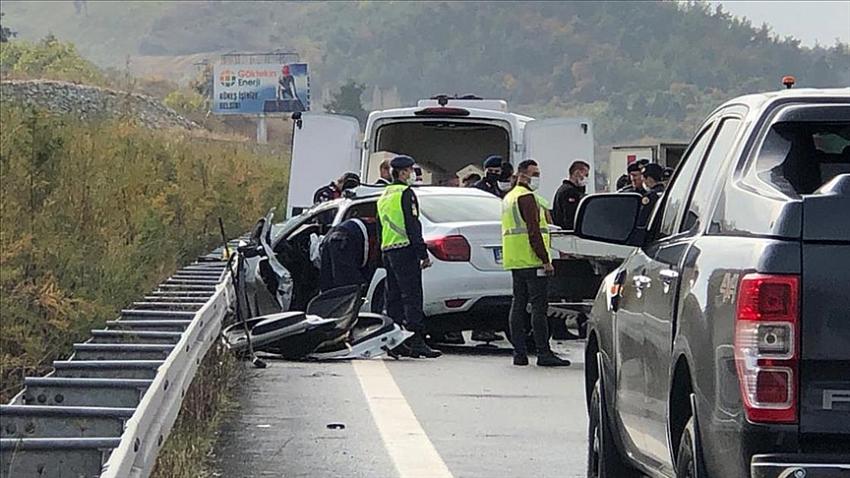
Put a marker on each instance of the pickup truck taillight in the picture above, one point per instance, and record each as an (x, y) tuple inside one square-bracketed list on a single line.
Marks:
[(767, 349), (450, 248)]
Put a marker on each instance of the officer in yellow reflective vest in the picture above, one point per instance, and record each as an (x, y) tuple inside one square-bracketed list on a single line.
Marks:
[(525, 252), (405, 256)]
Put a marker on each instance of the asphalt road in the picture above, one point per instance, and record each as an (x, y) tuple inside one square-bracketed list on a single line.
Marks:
[(464, 415)]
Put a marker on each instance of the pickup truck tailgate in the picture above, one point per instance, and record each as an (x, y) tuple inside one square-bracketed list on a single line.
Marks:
[(825, 314)]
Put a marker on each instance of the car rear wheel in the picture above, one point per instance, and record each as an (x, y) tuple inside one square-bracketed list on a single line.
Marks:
[(686, 464), (603, 458)]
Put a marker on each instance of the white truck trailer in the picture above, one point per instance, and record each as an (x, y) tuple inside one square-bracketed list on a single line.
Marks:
[(667, 154)]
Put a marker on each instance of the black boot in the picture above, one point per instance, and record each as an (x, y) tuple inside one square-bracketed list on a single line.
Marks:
[(417, 348), (551, 360), (486, 335), (520, 359), (448, 338)]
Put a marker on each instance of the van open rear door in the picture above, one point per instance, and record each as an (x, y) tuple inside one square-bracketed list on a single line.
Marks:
[(325, 147), (555, 144)]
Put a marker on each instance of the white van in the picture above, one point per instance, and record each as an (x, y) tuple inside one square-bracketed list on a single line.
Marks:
[(444, 135)]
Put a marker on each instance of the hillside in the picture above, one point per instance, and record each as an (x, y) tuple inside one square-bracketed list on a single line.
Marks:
[(640, 69)]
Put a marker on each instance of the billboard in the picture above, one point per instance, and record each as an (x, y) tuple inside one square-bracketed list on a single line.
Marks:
[(266, 88)]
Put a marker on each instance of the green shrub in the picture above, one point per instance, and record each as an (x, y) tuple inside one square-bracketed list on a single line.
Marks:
[(95, 214), (186, 101), (47, 59)]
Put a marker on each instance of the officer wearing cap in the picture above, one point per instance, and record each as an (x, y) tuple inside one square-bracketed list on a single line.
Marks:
[(635, 179), (335, 188), (492, 176), (653, 177), (405, 255)]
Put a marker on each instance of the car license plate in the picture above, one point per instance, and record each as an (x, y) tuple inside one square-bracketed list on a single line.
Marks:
[(497, 254)]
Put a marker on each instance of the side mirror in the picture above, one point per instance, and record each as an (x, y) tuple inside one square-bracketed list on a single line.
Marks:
[(610, 218)]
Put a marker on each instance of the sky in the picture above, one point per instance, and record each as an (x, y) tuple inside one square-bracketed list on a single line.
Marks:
[(810, 21)]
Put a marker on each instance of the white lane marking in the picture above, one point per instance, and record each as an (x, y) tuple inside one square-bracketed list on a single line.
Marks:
[(412, 452)]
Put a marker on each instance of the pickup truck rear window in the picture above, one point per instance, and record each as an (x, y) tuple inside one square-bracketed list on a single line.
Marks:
[(799, 157)]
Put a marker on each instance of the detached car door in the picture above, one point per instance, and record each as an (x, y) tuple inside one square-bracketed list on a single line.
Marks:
[(323, 148), (555, 144)]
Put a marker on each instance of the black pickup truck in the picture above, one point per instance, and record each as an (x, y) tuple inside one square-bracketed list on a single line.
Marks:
[(721, 346)]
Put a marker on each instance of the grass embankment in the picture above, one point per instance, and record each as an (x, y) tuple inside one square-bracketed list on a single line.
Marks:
[(93, 215)]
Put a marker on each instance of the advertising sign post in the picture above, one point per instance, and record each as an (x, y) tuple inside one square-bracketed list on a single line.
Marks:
[(260, 89), (260, 85)]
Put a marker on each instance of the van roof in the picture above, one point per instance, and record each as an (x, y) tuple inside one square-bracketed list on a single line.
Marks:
[(480, 113)]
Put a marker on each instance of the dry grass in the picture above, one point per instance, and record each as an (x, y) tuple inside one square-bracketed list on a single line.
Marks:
[(94, 214), (188, 449)]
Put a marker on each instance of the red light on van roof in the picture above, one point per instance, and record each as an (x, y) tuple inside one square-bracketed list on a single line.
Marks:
[(788, 81), (442, 111)]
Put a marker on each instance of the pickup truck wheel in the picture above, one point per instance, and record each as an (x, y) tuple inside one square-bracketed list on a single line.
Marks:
[(686, 456), (603, 458)]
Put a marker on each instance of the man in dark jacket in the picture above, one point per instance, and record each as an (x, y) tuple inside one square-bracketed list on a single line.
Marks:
[(334, 189), (492, 175), (491, 183), (569, 194), (350, 253), (653, 175), (636, 179)]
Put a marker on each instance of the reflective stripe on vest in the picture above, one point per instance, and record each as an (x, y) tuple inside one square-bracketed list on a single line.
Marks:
[(517, 252), (393, 232)]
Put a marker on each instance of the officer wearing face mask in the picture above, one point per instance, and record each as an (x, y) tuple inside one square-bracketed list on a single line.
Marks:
[(505, 180), (569, 194), (492, 176), (405, 256), (525, 252)]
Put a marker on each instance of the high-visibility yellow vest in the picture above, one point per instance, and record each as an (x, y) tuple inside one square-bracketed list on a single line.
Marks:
[(516, 248), (393, 231)]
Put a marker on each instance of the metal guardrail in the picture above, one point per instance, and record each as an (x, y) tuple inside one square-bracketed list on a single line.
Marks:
[(107, 411)]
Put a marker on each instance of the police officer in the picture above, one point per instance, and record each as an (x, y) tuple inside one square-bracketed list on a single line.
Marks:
[(335, 188), (492, 175), (569, 194), (494, 184), (653, 175), (506, 179), (635, 179), (405, 256), (525, 252), (349, 253)]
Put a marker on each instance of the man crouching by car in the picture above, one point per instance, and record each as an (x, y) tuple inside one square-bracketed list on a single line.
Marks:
[(349, 253)]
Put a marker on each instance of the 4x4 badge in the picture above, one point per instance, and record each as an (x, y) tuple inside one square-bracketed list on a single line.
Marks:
[(728, 287)]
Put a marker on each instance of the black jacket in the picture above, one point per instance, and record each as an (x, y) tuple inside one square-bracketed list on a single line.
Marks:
[(491, 187), (566, 203), (327, 193), (648, 204), (410, 209)]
